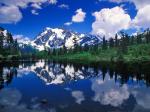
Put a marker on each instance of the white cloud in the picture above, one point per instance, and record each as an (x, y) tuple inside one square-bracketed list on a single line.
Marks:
[(21, 38), (11, 98), (10, 9), (10, 14), (78, 95), (64, 6), (34, 12), (109, 21), (67, 23), (36, 6), (79, 17), (115, 1), (53, 1), (142, 96), (108, 93), (140, 3), (142, 18)]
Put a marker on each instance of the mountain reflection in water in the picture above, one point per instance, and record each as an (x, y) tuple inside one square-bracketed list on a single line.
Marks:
[(61, 87)]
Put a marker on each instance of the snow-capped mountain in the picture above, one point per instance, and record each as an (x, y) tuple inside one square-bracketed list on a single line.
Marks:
[(6, 38), (57, 38)]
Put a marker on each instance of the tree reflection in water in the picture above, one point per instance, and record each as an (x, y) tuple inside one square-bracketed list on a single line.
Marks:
[(117, 87), (53, 72)]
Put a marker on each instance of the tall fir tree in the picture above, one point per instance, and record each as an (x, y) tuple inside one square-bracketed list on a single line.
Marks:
[(104, 45), (116, 41)]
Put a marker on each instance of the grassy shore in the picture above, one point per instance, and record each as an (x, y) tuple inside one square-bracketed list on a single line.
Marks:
[(135, 53)]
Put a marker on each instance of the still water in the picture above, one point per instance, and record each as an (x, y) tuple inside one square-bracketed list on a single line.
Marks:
[(44, 86)]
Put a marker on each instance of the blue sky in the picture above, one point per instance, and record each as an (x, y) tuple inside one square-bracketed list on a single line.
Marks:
[(30, 17)]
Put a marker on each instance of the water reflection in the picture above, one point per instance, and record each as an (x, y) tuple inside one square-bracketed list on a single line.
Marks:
[(60, 87)]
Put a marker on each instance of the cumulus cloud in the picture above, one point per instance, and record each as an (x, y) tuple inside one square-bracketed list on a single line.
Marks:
[(21, 38), (142, 18), (109, 21), (78, 95), (140, 3), (64, 6), (52, 1), (108, 93), (10, 99), (115, 1), (10, 9), (36, 5), (34, 12), (79, 16), (10, 14), (142, 96)]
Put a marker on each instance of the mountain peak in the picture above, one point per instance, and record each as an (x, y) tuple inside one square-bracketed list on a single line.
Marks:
[(54, 38)]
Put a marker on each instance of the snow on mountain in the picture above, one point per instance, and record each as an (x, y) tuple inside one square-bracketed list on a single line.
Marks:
[(55, 73), (52, 38), (6, 37), (57, 38)]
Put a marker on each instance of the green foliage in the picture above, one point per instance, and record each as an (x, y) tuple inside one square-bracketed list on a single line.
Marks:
[(8, 46), (128, 48)]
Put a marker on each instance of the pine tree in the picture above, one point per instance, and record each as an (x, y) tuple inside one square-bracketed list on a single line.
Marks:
[(9, 38), (54, 52), (147, 36), (127, 39), (123, 43), (76, 46), (111, 42), (86, 48), (132, 40), (104, 46), (139, 39), (15, 46), (64, 49), (1, 43), (116, 41)]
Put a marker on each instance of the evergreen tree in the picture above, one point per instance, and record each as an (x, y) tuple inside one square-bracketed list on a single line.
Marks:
[(116, 41), (64, 49), (9, 38), (76, 46), (50, 52), (132, 40), (111, 42), (86, 47), (127, 39), (139, 39), (1, 43), (147, 36), (104, 45), (123, 43), (54, 52), (15, 46)]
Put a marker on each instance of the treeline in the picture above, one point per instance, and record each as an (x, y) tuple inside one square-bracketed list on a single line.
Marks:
[(8, 46), (120, 42)]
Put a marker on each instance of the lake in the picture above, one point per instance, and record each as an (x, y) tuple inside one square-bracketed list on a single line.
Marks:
[(47, 86)]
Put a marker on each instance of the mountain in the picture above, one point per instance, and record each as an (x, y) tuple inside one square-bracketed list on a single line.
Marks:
[(57, 38), (6, 38)]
